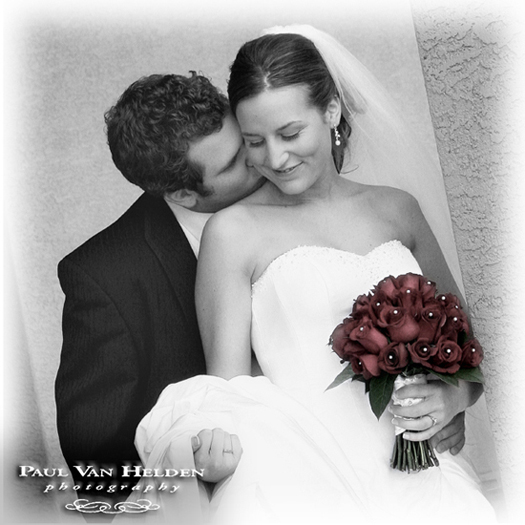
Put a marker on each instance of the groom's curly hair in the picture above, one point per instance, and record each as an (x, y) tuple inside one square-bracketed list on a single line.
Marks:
[(150, 129)]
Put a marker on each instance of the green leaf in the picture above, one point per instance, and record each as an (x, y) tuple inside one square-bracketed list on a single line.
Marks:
[(447, 378), (381, 389), (343, 376), (475, 375)]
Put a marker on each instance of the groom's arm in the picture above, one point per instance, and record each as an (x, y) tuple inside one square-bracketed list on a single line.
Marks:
[(99, 387), (98, 382)]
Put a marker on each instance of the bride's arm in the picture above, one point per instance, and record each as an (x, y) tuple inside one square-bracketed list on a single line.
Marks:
[(425, 247), (223, 294), (444, 402)]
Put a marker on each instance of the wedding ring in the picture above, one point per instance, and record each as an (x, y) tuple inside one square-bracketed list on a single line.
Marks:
[(227, 451), (434, 420)]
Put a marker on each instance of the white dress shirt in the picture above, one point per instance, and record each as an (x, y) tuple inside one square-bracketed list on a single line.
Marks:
[(192, 224)]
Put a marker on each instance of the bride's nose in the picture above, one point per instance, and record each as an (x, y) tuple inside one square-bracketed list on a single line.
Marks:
[(276, 155)]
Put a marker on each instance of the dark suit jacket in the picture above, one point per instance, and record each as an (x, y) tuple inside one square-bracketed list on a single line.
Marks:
[(129, 328)]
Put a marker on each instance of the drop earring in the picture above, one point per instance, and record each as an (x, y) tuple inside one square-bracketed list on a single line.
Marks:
[(337, 137)]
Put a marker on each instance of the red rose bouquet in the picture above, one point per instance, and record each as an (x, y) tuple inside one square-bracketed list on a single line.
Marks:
[(398, 333)]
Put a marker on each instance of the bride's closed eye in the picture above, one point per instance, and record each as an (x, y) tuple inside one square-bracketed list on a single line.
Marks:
[(259, 143), (291, 137)]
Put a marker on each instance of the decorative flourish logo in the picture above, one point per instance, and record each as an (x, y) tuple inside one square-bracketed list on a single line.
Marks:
[(95, 507)]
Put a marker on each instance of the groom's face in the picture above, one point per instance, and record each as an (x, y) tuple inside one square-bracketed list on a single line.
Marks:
[(226, 177)]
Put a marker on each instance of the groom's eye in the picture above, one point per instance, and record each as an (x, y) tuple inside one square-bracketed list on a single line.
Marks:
[(254, 143)]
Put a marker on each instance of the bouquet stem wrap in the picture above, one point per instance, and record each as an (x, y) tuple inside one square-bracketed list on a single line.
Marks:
[(410, 456)]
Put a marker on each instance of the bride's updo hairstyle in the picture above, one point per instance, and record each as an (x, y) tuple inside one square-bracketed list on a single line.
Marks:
[(282, 60)]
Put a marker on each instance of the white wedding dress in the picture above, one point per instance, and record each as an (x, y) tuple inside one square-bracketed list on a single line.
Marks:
[(309, 455)]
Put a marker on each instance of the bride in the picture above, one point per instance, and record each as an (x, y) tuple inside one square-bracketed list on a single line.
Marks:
[(278, 271)]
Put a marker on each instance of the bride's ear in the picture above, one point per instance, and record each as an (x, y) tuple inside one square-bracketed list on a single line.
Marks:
[(333, 112), (183, 197)]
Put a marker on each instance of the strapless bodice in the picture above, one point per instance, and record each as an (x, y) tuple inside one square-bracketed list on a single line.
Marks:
[(302, 296)]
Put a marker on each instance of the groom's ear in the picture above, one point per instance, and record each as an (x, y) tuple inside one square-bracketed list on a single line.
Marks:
[(183, 197)]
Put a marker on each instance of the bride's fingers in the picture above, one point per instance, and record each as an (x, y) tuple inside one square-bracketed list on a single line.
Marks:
[(414, 391), (205, 438), (227, 447), (195, 443), (236, 446), (420, 436), (427, 423), (217, 442), (413, 411)]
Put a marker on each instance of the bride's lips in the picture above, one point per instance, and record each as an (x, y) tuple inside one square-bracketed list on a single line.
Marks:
[(286, 171)]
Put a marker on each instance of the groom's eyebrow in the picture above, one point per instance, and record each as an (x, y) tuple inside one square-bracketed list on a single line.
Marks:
[(232, 161)]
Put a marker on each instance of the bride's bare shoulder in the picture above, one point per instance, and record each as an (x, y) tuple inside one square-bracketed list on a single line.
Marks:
[(239, 218), (388, 200), (234, 228)]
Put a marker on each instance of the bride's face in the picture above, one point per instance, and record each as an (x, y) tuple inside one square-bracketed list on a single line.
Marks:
[(288, 140)]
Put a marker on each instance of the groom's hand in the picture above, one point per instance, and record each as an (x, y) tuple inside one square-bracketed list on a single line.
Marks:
[(217, 453)]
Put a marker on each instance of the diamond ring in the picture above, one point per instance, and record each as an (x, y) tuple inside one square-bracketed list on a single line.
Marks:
[(434, 420)]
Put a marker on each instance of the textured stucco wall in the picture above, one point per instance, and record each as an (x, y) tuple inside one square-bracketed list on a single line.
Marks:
[(471, 55)]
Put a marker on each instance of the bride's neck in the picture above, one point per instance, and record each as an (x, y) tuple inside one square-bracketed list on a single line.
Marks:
[(323, 191)]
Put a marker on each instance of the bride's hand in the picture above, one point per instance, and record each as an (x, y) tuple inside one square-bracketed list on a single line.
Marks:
[(217, 453), (452, 437), (435, 416)]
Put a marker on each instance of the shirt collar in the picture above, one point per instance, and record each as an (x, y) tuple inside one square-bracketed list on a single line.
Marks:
[(191, 222)]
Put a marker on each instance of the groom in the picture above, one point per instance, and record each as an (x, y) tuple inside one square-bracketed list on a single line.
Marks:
[(129, 321)]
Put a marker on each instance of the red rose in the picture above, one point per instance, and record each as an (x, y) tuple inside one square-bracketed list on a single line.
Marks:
[(366, 365), (427, 288), (447, 358), (367, 335), (341, 343), (448, 299), (421, 351), (399, 323), (431, 320), (393, 358), (411, 300), (388, 289), (472, 354), (378, 301), (362, 308), (408, 281), (415, 291), (456, 322)]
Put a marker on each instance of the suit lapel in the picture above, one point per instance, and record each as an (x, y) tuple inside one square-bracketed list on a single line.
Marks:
[(167, 240)]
